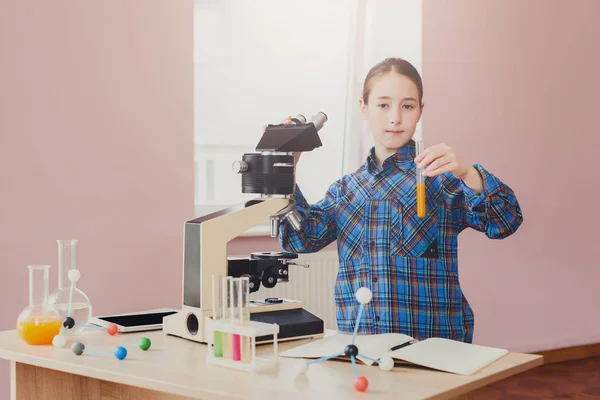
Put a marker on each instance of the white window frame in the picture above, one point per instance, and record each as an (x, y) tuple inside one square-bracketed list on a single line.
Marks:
[(378, 29)]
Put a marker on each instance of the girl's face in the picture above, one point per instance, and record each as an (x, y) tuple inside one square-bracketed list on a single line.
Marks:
[(393, 112)]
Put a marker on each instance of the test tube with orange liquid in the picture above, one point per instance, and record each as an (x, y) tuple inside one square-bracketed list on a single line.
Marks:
[(421, 201)]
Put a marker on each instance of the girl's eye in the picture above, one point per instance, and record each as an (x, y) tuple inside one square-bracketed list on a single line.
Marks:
[(382, 105), (408, 106)]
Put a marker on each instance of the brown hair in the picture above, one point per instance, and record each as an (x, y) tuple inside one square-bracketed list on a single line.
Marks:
[(392, 64)]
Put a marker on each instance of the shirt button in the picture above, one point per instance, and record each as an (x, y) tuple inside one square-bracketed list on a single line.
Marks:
[(377, 318), (374, 279), (372, 244)]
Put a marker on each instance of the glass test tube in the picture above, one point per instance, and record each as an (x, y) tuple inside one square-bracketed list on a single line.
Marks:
[(235, 318), (217, 287), (421, 209), (244, 305), (226, 315)]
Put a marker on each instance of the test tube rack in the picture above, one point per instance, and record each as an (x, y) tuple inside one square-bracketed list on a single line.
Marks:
[(251, 331)]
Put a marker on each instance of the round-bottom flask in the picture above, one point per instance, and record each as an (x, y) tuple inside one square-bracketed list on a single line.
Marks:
[(39, 322), (69, 300)]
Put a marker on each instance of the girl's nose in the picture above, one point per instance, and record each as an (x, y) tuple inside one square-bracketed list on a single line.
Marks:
[(395, 117)]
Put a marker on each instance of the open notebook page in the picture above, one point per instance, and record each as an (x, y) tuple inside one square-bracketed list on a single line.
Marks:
[(449, 355), (373, 346)]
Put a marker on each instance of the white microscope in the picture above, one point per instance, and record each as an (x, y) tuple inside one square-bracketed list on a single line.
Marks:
[(270, 173)]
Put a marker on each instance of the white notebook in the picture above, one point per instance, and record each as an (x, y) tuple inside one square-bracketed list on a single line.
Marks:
[(436, 353)]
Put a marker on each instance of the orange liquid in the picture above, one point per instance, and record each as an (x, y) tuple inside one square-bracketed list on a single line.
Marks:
[(421, 200), (38, 330)]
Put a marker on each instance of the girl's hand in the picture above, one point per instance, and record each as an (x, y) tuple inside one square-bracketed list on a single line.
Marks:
[(287, 121), (441, 158)]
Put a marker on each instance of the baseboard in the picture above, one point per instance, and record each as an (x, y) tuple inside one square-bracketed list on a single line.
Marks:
[(570, 353)]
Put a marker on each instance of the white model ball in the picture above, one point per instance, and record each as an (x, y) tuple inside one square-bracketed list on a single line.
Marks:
[(364, 295), (386, 363), (302, 368), (74, 275), (59, 340)]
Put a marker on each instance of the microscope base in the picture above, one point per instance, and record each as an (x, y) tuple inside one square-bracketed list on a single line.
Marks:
[(187, 324), (294, 323)]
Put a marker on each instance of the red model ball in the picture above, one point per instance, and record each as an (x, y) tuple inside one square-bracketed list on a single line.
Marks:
[(112, 329), (361, 383)]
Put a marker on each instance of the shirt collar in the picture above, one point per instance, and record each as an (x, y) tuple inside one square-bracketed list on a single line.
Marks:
[(404, 159)]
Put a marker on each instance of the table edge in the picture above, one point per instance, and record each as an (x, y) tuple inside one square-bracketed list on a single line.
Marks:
[(535, 361), (199, 392)]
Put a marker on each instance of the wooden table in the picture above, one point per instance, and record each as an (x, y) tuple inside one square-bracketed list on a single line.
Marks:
[(175, 368)]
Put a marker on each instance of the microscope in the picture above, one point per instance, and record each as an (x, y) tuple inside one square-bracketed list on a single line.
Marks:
[(268, 173)]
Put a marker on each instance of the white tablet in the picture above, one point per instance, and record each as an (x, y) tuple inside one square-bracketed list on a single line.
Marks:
[(135, 322)]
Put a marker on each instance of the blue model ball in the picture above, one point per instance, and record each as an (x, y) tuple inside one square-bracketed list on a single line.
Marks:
[(121, 352)]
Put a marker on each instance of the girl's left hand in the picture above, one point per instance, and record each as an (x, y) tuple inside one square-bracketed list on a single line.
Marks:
[(441, 158)]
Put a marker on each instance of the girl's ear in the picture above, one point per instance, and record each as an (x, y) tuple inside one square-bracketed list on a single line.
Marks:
[(363, 108), (421, 110)]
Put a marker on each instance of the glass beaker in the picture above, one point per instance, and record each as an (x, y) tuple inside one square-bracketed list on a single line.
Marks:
[(39, 322), (69, 302)]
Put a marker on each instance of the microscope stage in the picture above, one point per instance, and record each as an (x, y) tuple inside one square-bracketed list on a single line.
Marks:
[(273, 304)]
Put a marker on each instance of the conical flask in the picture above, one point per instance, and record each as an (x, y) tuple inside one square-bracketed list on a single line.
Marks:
[(38, 323), (68, 301)]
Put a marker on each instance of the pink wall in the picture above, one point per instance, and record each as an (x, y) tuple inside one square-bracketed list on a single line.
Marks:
[(514, 85), (96, 143)]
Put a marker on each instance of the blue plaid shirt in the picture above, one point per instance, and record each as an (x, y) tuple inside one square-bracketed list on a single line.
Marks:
[(409, 263)]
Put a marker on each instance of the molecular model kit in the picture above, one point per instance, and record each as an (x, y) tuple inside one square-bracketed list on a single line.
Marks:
[(360, 383), (78, 347)]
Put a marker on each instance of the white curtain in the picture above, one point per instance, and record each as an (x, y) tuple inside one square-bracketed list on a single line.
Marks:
[(381, 29), (257, 61)]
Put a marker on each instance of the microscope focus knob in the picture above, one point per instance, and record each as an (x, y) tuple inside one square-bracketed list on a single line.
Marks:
[(254, 282), (239, 166), (269, 279)]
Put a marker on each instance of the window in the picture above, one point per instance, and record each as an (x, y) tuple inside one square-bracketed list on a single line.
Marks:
[(255, 63)]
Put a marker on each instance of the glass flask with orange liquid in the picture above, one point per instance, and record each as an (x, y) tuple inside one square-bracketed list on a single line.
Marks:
[(69, 300), (39, 322)]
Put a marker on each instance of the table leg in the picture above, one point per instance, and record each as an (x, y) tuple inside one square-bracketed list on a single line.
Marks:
[(13, 380)]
